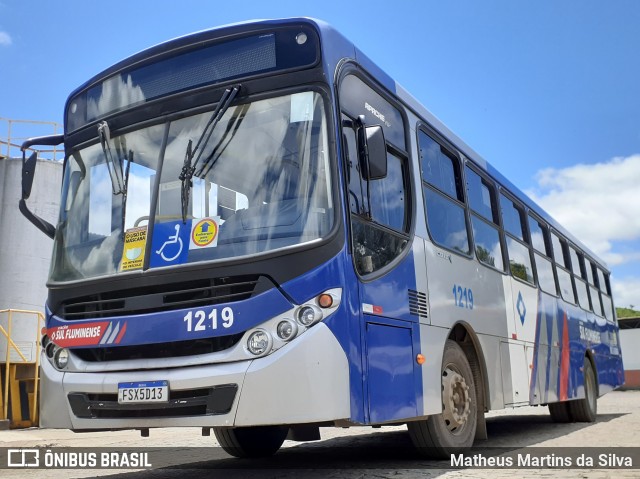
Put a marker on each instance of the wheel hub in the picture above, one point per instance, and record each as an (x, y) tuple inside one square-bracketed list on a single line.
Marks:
[(456, 400)]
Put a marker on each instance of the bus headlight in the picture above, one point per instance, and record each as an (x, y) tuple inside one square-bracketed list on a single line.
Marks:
[(61, 358), (309, 315), (50, 349), (287, 330), (283, 329), (259, 342)]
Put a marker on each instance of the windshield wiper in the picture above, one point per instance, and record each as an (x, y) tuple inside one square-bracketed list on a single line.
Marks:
[(119, 178), (124, 193), (115, 168), (189, 165)]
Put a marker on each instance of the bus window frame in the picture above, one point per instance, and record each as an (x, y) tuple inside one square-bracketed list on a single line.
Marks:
[(546, 230), (526, 241), (564, 245), (496, 221), (352, 68), (456, 157), (580, 257), (605, 292)]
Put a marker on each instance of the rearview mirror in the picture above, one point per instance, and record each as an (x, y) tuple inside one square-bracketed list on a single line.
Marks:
[(372, 151), (376, 153), (28, 173), (28, 170)]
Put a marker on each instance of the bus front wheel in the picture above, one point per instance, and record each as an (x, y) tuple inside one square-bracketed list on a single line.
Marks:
[(251, 442), (444, 434)]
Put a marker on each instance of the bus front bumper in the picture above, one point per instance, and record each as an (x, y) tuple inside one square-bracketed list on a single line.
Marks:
[(304, 382)]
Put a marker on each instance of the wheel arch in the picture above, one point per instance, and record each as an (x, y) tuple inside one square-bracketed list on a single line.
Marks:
[(463, 334)]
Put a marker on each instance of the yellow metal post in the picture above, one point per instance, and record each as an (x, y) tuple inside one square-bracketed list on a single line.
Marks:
[(13, 377), (34, 407), (6, 373)]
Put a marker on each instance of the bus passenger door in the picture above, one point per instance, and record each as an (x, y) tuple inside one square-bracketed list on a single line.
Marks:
[(382, 257)]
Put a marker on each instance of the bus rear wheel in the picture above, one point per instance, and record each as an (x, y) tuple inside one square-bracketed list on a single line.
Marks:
[(586, 410), (251, 442), (560, 412), (454, 430)]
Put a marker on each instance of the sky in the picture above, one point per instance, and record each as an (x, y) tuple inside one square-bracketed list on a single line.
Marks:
[(548, 91)]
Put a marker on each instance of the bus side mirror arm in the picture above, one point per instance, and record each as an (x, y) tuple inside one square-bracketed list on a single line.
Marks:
[(43, 225), (28, 173)]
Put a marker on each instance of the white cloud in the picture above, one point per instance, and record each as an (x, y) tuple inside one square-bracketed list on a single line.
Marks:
[(5, 39), (599, 204), (626, 292)]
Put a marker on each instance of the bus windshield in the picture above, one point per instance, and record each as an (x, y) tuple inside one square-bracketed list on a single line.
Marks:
[(262, 182)]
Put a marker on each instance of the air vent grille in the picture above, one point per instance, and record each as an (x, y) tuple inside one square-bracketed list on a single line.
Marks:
[(418, 304), (164, 297)]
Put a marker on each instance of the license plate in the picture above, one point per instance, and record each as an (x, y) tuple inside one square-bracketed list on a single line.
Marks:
[(143, 392)]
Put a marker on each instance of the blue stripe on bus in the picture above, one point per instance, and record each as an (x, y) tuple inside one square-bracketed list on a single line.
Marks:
[(175, 325), (549, 349)]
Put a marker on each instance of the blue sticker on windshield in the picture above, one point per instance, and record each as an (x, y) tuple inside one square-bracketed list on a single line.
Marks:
[(170, 244)]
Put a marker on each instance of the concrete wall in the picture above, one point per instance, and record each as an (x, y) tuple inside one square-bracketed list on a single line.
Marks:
[(629, 341), (25, 252)]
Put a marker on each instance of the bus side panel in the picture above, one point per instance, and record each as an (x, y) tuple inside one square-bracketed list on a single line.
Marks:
[(390, 372), (608, 361), (546, 357), (517, 348), (463, 290), (432, 345), (553, 365), (599, 336), (393, 385), (564, 333), (345, 326)]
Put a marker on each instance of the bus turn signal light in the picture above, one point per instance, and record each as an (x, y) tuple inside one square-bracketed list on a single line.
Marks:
[(420, 359), (325, 300)]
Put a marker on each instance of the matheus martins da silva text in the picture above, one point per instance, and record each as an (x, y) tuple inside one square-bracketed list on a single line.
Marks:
[(548, 460)]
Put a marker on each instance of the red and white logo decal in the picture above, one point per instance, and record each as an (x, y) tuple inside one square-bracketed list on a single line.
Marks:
[(101, 332)]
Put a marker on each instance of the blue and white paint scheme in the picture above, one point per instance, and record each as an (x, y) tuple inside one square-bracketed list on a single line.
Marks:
[(372, 352)]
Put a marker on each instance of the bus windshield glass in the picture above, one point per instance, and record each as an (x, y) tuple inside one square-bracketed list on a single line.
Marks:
[(262, 182)]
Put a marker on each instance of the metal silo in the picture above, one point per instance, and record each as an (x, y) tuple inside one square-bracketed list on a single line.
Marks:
[(25, 252)]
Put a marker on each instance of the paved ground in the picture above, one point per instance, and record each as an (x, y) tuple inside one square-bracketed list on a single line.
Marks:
[(365, 452)]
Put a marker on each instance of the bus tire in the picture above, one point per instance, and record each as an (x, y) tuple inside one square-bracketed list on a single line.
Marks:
[(560, 412), (586, 409), (454, 429), (251, 442)]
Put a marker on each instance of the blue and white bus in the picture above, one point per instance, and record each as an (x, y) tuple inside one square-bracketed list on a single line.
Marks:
[(262, 234)]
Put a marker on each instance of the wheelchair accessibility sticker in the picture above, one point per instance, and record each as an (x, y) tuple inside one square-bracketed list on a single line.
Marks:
[(170, 244), (172, 240)]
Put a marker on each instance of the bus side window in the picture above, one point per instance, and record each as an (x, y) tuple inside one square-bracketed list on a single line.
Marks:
[(443, 195), (605, 294), (379, 235), (577, 268), (593, 289), (565, 282), (542, 255), (484, 220), (518, 250)]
